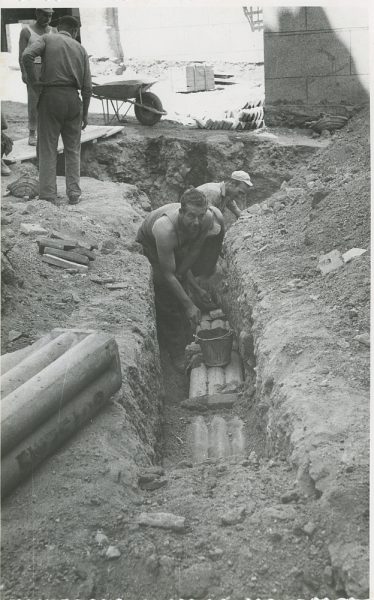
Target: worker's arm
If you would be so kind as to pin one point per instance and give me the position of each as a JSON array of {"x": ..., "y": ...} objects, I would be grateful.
[
  {"x": 24, "y": 37},
  {"x": 231, "y": 205},
  {"x": 86, "y": 90},
  {"x": 29, "y": 54},
  {"x": 164, "y": 237}
]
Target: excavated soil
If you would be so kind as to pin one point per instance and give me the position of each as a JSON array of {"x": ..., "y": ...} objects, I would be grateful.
[{"x": 294, "y": 530}]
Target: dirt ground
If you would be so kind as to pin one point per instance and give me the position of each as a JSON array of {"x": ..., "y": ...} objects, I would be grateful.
[{"x": 282, "y": 539}]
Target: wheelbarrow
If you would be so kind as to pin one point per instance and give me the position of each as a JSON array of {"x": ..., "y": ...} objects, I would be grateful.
[{"x": 134, "y": 92}]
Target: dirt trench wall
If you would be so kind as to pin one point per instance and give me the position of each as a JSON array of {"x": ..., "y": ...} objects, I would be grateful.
[
  {"x": 164, "y": 166},
  {"x": 90, "y": 481},
  {"x": 309, "y": 414}
]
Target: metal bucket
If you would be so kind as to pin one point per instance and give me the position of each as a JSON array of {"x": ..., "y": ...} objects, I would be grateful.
[{"x": 216, "y": 346}]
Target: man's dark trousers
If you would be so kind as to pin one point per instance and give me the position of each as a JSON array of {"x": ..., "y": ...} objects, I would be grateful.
[{"x": 59, "y": 112}]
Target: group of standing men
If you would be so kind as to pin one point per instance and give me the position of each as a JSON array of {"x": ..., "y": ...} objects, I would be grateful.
[
  {"x": 182, "y": 241},
  {"x": 55, "y": 67}
]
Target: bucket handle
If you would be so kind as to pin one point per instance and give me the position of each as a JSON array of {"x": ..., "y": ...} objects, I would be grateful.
[{"x": 221, "y": 337}]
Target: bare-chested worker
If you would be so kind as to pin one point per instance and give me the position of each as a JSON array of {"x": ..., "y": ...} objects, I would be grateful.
[
  {"x": 181, "y": 241},
  {"x": 28, "y": 35},
  {"x": 226, "y": 193}
]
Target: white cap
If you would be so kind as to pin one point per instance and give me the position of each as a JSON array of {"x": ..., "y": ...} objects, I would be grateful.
[{"x": 242, "y": 176}]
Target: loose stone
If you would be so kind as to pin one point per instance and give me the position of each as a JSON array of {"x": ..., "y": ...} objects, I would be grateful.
[
  {"x": 233, "y": 517},
  {"x": 112, "y": 552},
  {"x": 162, "y": 520}
]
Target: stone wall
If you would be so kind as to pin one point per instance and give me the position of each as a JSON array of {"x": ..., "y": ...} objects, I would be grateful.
[{"x": 315, "y": 57}]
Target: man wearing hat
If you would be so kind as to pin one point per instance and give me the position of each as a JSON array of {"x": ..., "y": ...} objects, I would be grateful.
[
  {"x": 226, "y": 193},
  {"x": 181, "y": 241},
  {"x": 28, "y": 35},
  {"x": 65, "y": 72}
]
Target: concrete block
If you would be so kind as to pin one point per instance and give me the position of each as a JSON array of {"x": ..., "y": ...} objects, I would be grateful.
[
  {"x": 67, "y": 255},
  {"x": 22, "y": 460},
  {"x": 64, "y": 264},
  {"x": 30, "y": 405},
  {"x": 32, "y": 228},
  {"x": 347, "y": 89},
  {"x": 290, "y": 90},
  {"x": 306, "y": 54}
]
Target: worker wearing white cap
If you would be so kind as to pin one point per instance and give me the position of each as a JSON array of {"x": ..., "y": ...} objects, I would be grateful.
[
  {"x": 29, "y": 34},
  {"x": 226, "y": 193}
]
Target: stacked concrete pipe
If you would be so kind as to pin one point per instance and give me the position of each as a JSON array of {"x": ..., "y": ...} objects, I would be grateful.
[
  {"x": 49, "y": 391},
  {"x": 216, "y": 389}
]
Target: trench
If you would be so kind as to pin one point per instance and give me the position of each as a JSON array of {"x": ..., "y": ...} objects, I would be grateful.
[{"x": 251, "y": 515}]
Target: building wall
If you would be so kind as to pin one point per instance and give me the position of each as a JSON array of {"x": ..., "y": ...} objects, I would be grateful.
[
  {"x": 194, "y": 32},
  {"x": 316, "y": 55}
]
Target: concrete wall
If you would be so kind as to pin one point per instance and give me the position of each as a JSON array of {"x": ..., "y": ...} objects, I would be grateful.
[
  {"x": 191, "y": 32},
  {"x": 316, "y": 55}
]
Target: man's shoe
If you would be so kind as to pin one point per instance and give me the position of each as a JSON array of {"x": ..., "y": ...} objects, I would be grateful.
[
  {"x": 74, "y": 199},
  {"x": 4, "y": 169},
  {"x": 32, "y": 139}
]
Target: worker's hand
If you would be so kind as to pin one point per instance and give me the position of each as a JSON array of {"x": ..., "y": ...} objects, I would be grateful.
[
  {"x": 194, "y": 316},
  {"x": 84, "y": 122},
  {"x": 24, "y": 78},
  {"x": 204, "y": 296}
]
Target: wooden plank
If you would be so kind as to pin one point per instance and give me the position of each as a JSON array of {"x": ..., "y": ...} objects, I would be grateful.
[
  {"x": 64, "y": 264},
  {"x": 22, "y": 151},
  {"x": 67, "y": 255},
  {"x": 51, "y": 243}
]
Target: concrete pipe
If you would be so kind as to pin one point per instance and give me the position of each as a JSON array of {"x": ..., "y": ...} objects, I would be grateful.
[
  {"x": 199, "y": 440},
  {"x": 237, "y": 441},
  {"x": 12, "y": 359},
  {"x": 24, "y": 458},
  {"x": 233, "y": 371},
  {"x": 219, "y": 445},
  {"x": 38, "y": 399},
  {"x": 216, "y": 379},
  {"x": 36, "y": 362},
  {"x": 198, "y": 382}
]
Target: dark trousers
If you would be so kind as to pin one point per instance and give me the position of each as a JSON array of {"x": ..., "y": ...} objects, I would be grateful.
[{"x": 59, "y": 113}]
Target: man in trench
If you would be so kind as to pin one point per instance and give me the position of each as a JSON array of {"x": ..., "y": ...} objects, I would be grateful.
[
  {"x": 182, "y": 241},
  {"x": 226, "y": 193}
]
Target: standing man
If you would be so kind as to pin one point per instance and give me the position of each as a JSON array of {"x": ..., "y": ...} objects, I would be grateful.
[
  {"x": 226, "y": 193},
  {"x": 181, "y": 241},
  {"x": 28, "y": 35},
  {"x": 65, "y": 70}
]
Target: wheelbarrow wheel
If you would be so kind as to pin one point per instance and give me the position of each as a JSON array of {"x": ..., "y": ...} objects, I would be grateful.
[{"x": 144, "y": 116}]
